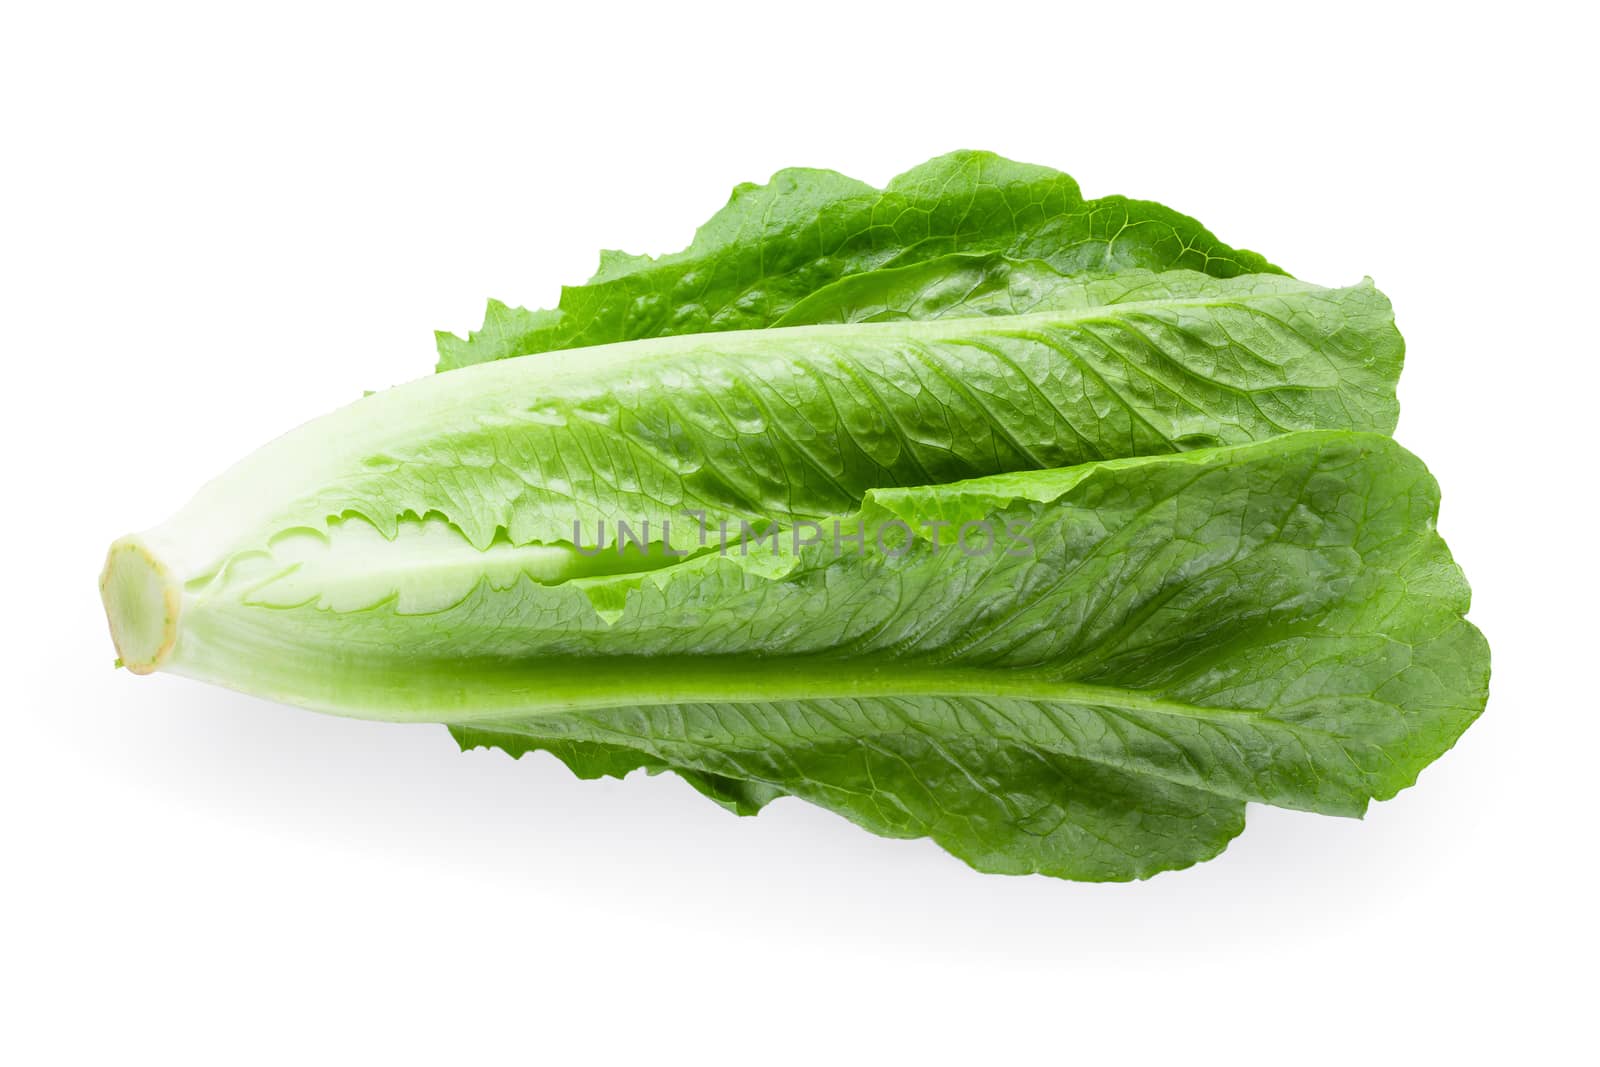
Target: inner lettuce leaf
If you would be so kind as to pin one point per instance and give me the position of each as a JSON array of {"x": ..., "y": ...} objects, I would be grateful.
[{"x": 774, "y": 245}]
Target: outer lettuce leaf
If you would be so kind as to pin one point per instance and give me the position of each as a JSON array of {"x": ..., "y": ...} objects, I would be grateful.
[
  {"x": 776, "y": 244},
  {"x": 1276, "y": 622}
]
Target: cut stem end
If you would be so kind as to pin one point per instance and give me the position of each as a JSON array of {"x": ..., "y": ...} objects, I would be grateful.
[{"x": 142, "y": 602}]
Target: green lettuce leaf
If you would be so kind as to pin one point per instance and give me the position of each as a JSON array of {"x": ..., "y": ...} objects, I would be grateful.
[
  {"x": 1142, "y": 646},
  {"x": 801, "y": 422},
  {"x": 776, "y": 244}
]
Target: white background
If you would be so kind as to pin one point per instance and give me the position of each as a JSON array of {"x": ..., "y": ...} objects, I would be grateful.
[{"x": 219, "y": 222}]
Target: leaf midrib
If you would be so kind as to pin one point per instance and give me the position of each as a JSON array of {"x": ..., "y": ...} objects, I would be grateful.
[{"x": 590, "y": 683}]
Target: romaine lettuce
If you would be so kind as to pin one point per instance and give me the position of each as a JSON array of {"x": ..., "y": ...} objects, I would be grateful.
[{"x": 966, "y": 509}]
